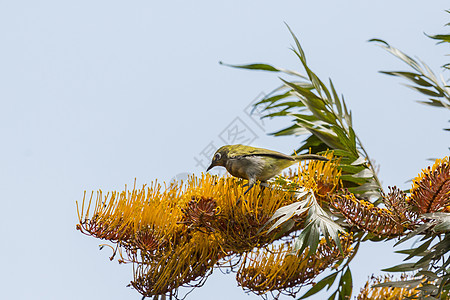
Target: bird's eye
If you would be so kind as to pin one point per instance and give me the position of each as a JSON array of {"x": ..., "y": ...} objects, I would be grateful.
[{"x": 217, "y": 156}]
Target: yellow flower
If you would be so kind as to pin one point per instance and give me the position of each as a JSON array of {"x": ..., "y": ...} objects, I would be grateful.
[
  {"x": 322, "y": 177},
  {"x": 386, "y": 293},
  {"x": 278, "y": 269},
  {"x": 431, "y": 188}
]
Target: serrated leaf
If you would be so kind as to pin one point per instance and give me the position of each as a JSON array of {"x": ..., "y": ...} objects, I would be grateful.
[
  {"x": 317, "y": 222},
  {"x": 288, "y": 211}
]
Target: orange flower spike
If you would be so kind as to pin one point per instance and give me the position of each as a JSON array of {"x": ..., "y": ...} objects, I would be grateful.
[
  {"x": 431, "y": 188},
  {"x": 322, "y": 177}
]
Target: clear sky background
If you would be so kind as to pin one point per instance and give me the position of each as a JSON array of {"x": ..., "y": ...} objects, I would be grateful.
[{"x": 97, "y": 93}]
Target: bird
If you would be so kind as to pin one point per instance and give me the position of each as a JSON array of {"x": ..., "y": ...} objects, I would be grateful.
[{"x": 254, "y": 163}]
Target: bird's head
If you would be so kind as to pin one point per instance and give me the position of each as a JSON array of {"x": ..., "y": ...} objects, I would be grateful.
[{"x": 220, "y": 157}]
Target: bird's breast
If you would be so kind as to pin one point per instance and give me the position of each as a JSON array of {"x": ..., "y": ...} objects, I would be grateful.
[{"x": 245, "y": 167}]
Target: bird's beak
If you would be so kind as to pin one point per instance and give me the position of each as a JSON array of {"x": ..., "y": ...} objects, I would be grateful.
[{"x": 210, "y": 167}]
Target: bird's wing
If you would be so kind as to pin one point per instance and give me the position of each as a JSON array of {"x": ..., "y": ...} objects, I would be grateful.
[{"x": 242, "y": 151}]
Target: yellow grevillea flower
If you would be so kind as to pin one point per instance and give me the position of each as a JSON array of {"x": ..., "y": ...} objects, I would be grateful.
[
  {"x": 431, "y": 188},
  {"x": 378, "y": 221},
  {"x": 189, "y": 262},
  {"x": 322, "y": 177},
  {"x": 386, "y": 293},
  {"x": 175, "y": 234},
  {"x": 139, "y": 214},
  {"x": 278, "y": 269}
]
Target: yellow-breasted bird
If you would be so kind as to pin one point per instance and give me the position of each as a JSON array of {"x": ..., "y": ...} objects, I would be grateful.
[{"x": 254, "y": 164}]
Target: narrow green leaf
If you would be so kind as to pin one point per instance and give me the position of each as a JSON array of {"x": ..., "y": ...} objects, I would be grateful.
[
  {"x": 420, "y": 251},
  {"x": 406, "y": 267},
  {"x": 329, "y": 280},
  {"x": 417, "y": 231},
  {"x": 293, "y": 130},
  {"x": 256, "y": 66},
  {"x": 347, "y": 284},
  {"x": 336, "y": 100},
  {"x": 425, "y": 91},
  {"x": 351, "y": 169},
  {"x": 401, "y": 284},
  {"x": 274, "y": 98},
  {"x": 444, "y": 38},
  {"x": 359, "y": 181},
  {"x": 366, "y": 173},
  {"x": 433, "y": 102},
  {"x": 359, "y": 161},
  {"x": 414, "y": 77},
  {"x": 399, "y": 54}
]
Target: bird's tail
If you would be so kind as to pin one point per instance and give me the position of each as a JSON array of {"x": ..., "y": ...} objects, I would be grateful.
[{"x": 310, "y": 156}]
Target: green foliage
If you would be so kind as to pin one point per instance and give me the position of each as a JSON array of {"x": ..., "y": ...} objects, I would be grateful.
[
  {"x": 431, "y": 268},
  {"x": 422, "y": 78},
  {"x": 322, "y": 117},
  {"x": 318, "y": 112}
]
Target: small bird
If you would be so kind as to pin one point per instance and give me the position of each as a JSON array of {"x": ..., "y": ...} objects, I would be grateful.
[{"x": 254, "y": 164}]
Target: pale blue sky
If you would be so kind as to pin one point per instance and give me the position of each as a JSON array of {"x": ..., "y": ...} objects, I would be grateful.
[{"x": 97, "y": 93}]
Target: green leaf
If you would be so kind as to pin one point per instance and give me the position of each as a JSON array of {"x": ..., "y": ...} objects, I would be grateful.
[
  {"x": 336, "y": 100},
  {"x": 257, "y": 66},
  {"x": 263, "y": 67},
  {"x": 293, "y": 130},
  {"x": 427, "y": 92},
  {"x": 328, "y": 137},
  {"x": 433, "y": 102},
  {"x": 444, "y": 38},
  {"x": 317, "y": 222},
  {"x": 347, "y": 284},
  {"x": 344, "y": 153},
  {"x": 312, "y": 99},
  {"x": 329, "y": 280},
  {"x": 288, "y": 211},
  {"x": 414, "y": 77},
  {"x": 274, "y": 98},
  {"x": 429, "y": 274},
  {"x": 351, "y": 169},
  {"x": 358, "y": 181},
  {"x": 441, "y": 219},
  {"x": 398, "y": 54},
  {"x": 366, "y": 173},
  {"x": 420, "y": 250},
  {"x": 359, "y": 161},
  {"x": 313, "y": 144},
  {"x": 415, "y": 232},
  {"x": 400, "y": 284},
  {"x": 333, "y": 295},
  {"x": 406, "y": 267}
]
